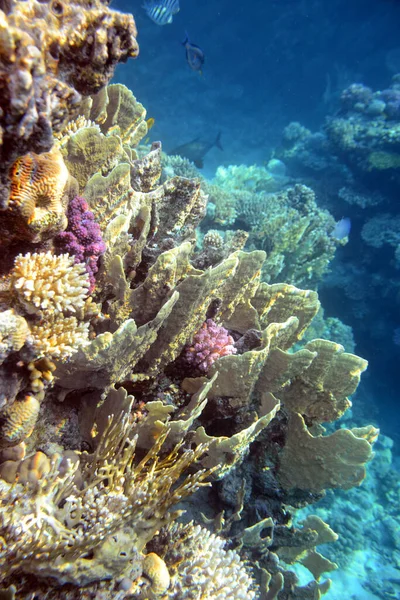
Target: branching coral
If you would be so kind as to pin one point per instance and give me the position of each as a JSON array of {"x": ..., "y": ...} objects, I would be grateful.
[
  {"x": 47, "y": 529},
  {"x": 289, "y": 226},
  {"x": 44, "y": 282},
  {"x": 209, "y": 343},
  {"x": 197, "y": 559},
  {"x": 82, "y": 239}
]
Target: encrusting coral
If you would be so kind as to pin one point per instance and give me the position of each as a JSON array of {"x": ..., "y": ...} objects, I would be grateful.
[{"x": 104, "y": 422}]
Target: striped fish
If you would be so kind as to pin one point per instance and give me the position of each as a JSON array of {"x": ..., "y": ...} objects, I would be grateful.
[{"x": 161, "y": 11}]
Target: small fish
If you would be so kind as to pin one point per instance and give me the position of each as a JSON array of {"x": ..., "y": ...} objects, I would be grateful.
[
  {"x": 342, "y": 229},
  {"x": 150, "y": 122},
  {"x": 194, "y": 55},
  {"x": 161, "y": 12},
  {"x": 196, "y": 150}
]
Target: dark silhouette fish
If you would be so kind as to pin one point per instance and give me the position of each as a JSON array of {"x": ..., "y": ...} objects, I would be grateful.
[
  {"x": 196, "y": 150},
  {"x": 194, "y": 55}
]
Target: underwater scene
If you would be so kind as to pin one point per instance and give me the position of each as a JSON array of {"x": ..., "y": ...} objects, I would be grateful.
[{"x": 199, "y": 300}]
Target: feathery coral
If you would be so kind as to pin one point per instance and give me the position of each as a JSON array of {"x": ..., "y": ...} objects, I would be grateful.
[
  {"x": 50, "y": 538},
  {"x": 51, "y": 283}
]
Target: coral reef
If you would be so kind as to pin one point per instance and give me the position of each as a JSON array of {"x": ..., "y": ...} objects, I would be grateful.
[
  {"x": 383, "y": 229},
  {"x": 289, "y": 225},
  {"x": 365, "y": 135},
  {"x": 120, "y": 397}
]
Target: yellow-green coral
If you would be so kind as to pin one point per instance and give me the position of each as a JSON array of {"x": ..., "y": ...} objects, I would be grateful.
[{"x": 119, "y": 496}]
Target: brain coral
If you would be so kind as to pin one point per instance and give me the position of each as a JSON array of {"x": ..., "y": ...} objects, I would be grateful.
[{"x": 36, "y": 208}]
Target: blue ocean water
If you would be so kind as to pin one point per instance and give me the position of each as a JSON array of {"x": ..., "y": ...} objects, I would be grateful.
[{"x": 268, "y": 64}]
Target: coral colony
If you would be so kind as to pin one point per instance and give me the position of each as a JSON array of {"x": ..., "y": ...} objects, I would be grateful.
[
  {"x": 82, "y": 238},
  {"x": 139, "y": 366}
]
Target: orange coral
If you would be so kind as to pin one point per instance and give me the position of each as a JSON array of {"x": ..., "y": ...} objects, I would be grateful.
[{"x": 36, "y": 195}]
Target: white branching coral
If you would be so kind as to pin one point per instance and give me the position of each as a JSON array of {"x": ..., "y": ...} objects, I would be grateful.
[
  {"x": 59, "y": 337},
  {"x": 200, "y": 567},
  {"x": 44, "y": 282},
  {"x": 48, "y": 529}
]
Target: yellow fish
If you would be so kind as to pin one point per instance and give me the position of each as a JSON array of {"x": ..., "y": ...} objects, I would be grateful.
[{"x": 150, "y": 122}]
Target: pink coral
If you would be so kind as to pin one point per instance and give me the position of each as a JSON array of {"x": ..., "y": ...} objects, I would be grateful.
[
  {"x": 82, "y": 239},
  {"x": 210, "y": 343}
]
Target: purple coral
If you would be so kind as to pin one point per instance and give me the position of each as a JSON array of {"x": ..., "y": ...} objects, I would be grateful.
[
  {"x": 210, "y": 343},
  {"x": 82, "y": 238}
]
